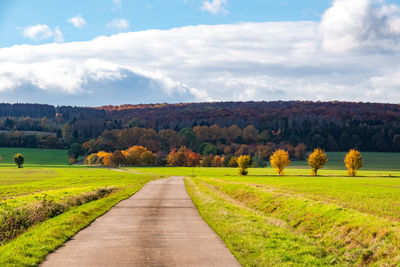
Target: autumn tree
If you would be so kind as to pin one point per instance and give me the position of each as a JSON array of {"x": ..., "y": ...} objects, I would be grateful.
[
  {"x": 192, "y": 158},
  {"x": 280, "y": 160},
  {"x": 233, "y": 162},
  {"x": 183, "y": 157},
  {"x": 317, "y": 160},
  {"x": 353, "y": 162},
  {"x": 148, "y": 158},
  {"x": 117, "y": 158},
  {"x": 133, "y": 155},
  {"x": 243, "y": 163},
  {"x": 19, "y": 160},
  {"x": 92, "y": 159}
]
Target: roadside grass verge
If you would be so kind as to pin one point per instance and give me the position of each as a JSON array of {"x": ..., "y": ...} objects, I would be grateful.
[
  {"x": 344, "y": 236},
  {"x": 41, "y": 208},
  {"x": 254, "y": 239},
  {"x": 14, "y": 221},
  {"x": 31, "y": 248}
]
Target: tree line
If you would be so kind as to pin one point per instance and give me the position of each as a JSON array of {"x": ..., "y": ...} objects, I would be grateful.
[{"x": 332, "y": 126}]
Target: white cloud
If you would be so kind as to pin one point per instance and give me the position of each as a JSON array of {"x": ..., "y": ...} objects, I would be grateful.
[
  {"x": 37, "y": 32},
  {"x": 247, "y": 61},
  {"x": 41, "y": 32},
  {"x": 360, "y": 24},
  {"x": 215, "y": 6},
  {"x": 119, "y": 24},
  {"x": 78, "y": 21}
]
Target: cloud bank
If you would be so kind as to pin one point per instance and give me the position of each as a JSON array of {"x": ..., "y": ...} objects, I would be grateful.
[{"x": 352, "y": 54}]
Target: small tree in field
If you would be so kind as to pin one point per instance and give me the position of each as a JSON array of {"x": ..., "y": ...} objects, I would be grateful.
[
  {"x": 280, "y": 160},
  {"x": 19, "y": 160},
  {"x": 317, "y": 160},
  {"x": 353, "y": 162},
  {"x": 243, "y": 163}
]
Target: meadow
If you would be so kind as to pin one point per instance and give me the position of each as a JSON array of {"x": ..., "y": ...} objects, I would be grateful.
[
  {"x": 298, "y": 219},
  {"x": 42, "y": 206},
  {"x": 34, "y": 156},
  {"x": 264, "y": 219}
]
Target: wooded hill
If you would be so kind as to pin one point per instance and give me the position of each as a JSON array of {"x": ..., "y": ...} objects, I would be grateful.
[{"x": 330, "y": 125}]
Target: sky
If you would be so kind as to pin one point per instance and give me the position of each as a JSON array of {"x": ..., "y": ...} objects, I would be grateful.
[{"x": 101, "y": 52}]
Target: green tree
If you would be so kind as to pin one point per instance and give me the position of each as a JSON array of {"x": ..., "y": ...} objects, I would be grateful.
[
  {"x": 76, "y": 150},
  {"x": 19, "y": 160}
]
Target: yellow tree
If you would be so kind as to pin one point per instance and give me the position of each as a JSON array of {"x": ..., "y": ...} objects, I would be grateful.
[
  {"x": 317, "y": 160},
  {"x": 243, "y": 163},
  {"x": 280, "y": 160},
  {"x": 353, "y": 162}
]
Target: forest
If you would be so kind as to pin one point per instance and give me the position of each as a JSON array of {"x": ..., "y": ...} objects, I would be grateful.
[{"x": 216, "y": 127}]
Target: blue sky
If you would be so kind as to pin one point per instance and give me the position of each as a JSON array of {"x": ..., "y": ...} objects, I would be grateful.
[
  {"x": 142, "y": 15},
  {"x": 100, "y": 52}
]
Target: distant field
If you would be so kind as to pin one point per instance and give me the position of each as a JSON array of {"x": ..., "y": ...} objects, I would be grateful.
[
  {"x": 297, "y": 219},
  {"x": 41, "y": 208},
  {"x": 34, "y": 156},
  {"x": 372, "y": 161}
]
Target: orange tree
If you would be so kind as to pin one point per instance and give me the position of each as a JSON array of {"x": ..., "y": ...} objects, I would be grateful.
[
  {"x": 280, "y": 160},
  {"x": 353, "y": 162},
  {"x": 317, "y": 160}
]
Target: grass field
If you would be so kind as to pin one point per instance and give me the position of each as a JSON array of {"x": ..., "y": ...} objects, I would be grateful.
[
  {"x": 41, "y": 208},
  {"x": 265, "y": 219},
  {"x": 33, "y": 156},
  {"x": 377, "y": 161},
  {"x": 297, "y": 219}
]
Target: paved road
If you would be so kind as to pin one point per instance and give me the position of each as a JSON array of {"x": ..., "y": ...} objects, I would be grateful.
[{"x": 158, "y": 226}]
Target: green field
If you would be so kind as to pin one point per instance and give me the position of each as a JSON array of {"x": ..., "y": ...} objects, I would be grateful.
[
  {"x": 297, "y": 219},
  {"x": 263, "y": 218},
  {"x": 377, "y": 161},
  {"x": 33, "y": 156},
  {"x": 41, "y": 208}
]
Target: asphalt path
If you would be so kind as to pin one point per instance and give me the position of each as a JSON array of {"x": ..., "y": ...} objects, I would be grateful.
[{"x": 158, "y": 226}]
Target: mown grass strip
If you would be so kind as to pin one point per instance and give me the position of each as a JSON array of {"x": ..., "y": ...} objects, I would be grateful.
[
  {"x": 31, "y": 248},
  {"x": 351, "y": 237},
  {"x": 255, "y": 239}
]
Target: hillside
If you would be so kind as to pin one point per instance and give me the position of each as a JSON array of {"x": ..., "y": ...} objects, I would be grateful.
[{"x": 335, "y": 126}]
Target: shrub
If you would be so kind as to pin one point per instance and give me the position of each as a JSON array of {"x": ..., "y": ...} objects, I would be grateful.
[
  {"x": 243, "y": 163},
  {"x": 72, "y": 160},
  {"x": 19, "y": 160},
  {"x": 280, "y": 160},
  {"x": 353, "y": 162},
  {"x": 317, "y": 160},
  {"x": 92, "y": 159}
]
